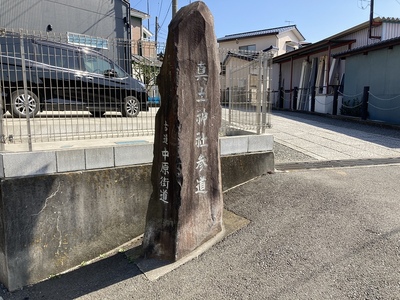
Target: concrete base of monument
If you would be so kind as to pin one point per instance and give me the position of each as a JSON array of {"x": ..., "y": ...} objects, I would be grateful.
[
  {"x": 70, "y": 189},
  {"x": 154, "y": 269}
]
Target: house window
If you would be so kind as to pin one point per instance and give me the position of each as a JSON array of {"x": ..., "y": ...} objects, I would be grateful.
[
  {"x": 247, "y": 49},
  {"x": 87, "y": 41},
  {"x": 290, "y": 48}
]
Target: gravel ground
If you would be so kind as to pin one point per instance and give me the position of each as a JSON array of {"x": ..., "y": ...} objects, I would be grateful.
[{"x": 284, "y": 154}]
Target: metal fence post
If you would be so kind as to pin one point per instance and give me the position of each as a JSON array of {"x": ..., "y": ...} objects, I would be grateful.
[
  {"x": 26, "y": 102},
  {"x": 281, "y": 97},
  {"x": 335, "y": 100},
  {"x": 295, "y": 96},
  {"x": 2, "y": 135},
  {"x": 265, "y": 88},
  {"x": 364, "y": 106},
  {"x": 259, "y": 94},
  {"x": 313, "y": 93},
  {"x": 267, "y": 92},
  {"x": 230, "y": 98}
]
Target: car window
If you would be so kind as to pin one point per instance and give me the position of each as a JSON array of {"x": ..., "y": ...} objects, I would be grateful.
[
  {"x": 96, "y": 64},
  {"x": 121, "y": 73},
  {"x": 10, "y": 45},
  {"x": 58, "y": 57}
]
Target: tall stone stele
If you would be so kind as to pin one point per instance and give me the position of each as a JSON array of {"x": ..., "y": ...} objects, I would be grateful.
[{"x": 185, "y": 209}]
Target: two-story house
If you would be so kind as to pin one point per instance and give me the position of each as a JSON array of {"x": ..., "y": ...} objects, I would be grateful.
[
  {"x": 140, "y": 35},
  {"x": 244, "y": 58}
]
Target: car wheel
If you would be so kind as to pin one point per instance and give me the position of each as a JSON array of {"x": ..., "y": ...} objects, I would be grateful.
[
  {"x": 130, "y": 107},
  {"x": 19, "y": 107}
]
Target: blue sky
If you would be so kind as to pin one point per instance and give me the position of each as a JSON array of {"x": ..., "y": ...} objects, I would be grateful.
[{"x": 316, "y": 19}]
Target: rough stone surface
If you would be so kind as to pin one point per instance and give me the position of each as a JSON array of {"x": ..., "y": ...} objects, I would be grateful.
[{"x": 185, "y": 208}]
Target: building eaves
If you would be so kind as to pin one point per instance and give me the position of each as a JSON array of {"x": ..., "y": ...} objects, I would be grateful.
[
  {"x": 263, "y": 32},
  {"x": 312, "y": 49},
  {"x": 365, "y": 49},
  {"x": 361, "y": 26},
  {"x": 245, "y": 57},
  {"x": 139, "y": 14},
  {"x": 334, "y": 41},
  {"x": 147, "y": 32}
]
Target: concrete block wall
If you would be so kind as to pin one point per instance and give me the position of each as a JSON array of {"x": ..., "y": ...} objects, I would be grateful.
[
  {"x": 61, "y": 207},
  {"x": 20, "y": 164}
]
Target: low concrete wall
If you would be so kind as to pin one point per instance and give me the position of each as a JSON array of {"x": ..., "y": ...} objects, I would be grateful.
[{"x": 60, "y": 208}]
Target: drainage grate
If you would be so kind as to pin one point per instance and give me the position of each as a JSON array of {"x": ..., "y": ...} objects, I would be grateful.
[{"x": 336, "y": 163}]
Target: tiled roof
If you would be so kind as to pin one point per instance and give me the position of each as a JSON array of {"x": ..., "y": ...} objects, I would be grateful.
[
  {"x": 389, "y": 20},
  {"x": 270, "y": 31}
]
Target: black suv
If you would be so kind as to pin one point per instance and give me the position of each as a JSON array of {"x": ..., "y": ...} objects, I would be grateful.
[{"x": 64, "y": 77}]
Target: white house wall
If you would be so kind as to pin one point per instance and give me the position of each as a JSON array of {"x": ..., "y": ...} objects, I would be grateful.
[
  {"x": 283, "y": 38},
  {"x": 261, "y": 42}
]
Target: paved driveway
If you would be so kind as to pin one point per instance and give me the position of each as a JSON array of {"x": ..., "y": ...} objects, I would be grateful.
[{"x": 324, "y": 138}]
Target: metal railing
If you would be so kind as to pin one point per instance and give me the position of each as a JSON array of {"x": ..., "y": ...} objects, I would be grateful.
[
  {"x": 246, "y": 90},
  {"x": 61, "y": 88}
]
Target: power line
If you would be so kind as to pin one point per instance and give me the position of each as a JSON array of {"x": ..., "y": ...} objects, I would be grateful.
[
  {"x": 360, "y": 4},
  {"x": 160, "y": 7},
  {"x": 162, "y": 24}
]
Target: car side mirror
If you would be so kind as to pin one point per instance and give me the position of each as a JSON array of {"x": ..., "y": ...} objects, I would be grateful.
[{"x": 110, "y": 73}]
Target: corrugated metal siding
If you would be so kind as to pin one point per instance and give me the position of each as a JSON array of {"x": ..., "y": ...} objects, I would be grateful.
[
  {"x": 362, "y": 37},
  {"x": 379, "y": 71},
  {"x": 20, "y": 14},
  {"x": 390, "y": 30},
  {"x": 91, "y": 17}
]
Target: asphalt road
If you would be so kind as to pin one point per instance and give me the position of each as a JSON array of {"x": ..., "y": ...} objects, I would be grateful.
[{"x": 325, "y": 233}]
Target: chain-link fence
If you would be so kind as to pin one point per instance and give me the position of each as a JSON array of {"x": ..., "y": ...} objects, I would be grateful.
[{"x": 70, "y": 87}]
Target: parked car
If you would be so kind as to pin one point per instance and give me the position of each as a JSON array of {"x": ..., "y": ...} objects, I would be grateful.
[{"x": 64, "y": 77}]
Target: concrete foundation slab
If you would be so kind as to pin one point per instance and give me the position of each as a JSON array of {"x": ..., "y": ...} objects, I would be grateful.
[{"x": 154, "y": 269}]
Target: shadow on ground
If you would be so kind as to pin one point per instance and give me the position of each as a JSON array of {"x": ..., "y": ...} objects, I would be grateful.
[{"x": 80, "y": 282}]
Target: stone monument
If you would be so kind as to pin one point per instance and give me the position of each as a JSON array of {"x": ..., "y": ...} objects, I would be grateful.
[{"x": 185, "y": 209}]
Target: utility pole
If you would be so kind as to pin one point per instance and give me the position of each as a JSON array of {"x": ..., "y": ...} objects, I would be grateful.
[
  {"x": 148, "y": 12},
  {"x": 156, "y": 32},
  {"x": 174, "y": 7}
]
